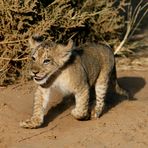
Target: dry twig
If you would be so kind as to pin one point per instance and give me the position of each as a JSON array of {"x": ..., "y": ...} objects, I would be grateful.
[
  {"x": 132, "y": 23},
  {"x": 40, "y": 133}
]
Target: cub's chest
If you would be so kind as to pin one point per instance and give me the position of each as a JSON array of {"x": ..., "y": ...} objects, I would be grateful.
[{"x": 62, "y": 83}]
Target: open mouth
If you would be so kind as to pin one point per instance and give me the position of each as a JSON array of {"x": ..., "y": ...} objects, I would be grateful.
[
  {"x": 38, "y": 78},
  {"x": 41, "y": 77},
  {"x": 46, "y": 76}
]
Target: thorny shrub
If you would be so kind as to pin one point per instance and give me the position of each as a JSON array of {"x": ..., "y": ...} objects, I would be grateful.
[{"x": 57, "y": 20}]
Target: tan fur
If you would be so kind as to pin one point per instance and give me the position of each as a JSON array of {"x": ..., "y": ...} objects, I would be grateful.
[{"x": 72, "y": 70}]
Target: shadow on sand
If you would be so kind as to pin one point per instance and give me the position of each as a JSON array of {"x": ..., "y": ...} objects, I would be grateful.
[{"x": 131, "y": 84}]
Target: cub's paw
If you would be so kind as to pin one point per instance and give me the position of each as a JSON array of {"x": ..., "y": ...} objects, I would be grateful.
[
  {"x": 31, "y": 123},
  {"x": 97, "y": 113},
  {"x": 80, "y": 115}
]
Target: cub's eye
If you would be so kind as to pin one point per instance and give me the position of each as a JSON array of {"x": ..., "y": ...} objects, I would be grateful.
[
  {"x": 47, "y": 61},
  {"x": 33, "y": 58}
]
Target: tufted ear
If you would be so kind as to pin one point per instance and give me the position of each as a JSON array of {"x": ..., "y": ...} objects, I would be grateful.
[
  {"x": 65, "y": 49},
  {"x": 69, "y": 46},
  {"x": 64, "y": 52},
  {"x": 34, "y": 41}
]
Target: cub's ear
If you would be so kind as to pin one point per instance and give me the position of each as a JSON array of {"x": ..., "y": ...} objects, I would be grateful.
[
  {"x": 69, "y": 46},
  {"x": 64, "y": 52},
  {"x": 66, "y": 48},
  {"x": 35, "y": 41}
]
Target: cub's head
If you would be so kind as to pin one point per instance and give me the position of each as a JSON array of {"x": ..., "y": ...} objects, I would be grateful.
[{"x": 47, "y": 58}]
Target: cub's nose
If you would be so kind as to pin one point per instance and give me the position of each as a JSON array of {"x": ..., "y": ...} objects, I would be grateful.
[
  {"x": 35, "y": 72},
  {"x": 35, "y": 69}
]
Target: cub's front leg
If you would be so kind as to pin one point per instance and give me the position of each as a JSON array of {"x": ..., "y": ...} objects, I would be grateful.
[
  {"x": 80, "y": 111},
  {"x": 40, "y": 102}
]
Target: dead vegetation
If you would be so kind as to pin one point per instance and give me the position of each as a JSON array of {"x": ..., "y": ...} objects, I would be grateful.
[{"x": 58, "y": 20}]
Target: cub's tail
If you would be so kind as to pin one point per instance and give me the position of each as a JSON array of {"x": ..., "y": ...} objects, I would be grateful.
[{"x": 114, "y": 85}]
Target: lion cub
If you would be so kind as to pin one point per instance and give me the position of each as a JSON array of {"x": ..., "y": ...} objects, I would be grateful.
[{"x": 73, "y": 70}]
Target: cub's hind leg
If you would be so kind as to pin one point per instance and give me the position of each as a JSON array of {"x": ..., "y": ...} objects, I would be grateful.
[
  {"x": 40, "y": 103},
  {"x": 100, "y": 89}
]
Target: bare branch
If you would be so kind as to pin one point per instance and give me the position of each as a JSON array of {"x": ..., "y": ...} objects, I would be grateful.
[{"x": 131, "y": 25}]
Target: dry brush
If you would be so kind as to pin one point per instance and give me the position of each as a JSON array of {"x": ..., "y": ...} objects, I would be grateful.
[{"x": 57, "y": 20}]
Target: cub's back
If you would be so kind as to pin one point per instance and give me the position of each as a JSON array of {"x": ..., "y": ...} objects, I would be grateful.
[
  {"x": 96, "y": 57},
  {"x": 99, "y": 53}
]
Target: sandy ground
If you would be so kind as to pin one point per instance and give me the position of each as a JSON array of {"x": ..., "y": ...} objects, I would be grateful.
[{"x": 124, "y": 125}]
